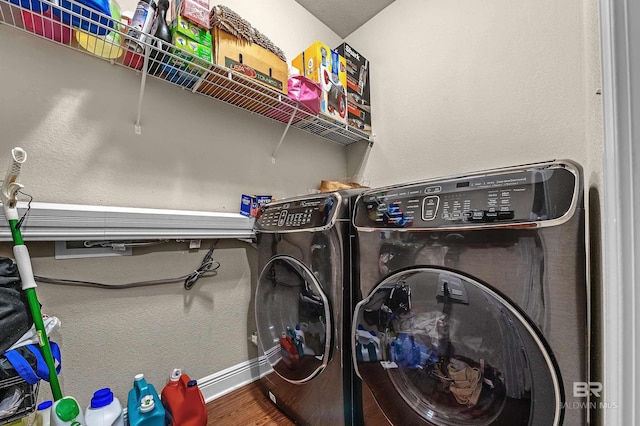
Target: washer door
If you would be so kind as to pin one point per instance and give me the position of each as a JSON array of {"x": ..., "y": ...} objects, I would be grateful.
[
  {"x": 293, "y": 319},
  {"x": 439, "y": 347}
]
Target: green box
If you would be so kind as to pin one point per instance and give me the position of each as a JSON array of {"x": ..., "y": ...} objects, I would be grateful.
[
  {"x": 191, "y": 30},
  {"x": 194, "y": 52}
]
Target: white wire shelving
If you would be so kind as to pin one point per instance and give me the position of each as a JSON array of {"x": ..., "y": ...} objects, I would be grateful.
[{"x": 61, "y": 22}]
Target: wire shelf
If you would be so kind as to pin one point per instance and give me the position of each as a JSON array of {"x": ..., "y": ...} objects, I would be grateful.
[{"x": 73, "y": 25}]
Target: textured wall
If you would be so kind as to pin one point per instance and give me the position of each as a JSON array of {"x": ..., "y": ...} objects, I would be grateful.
[
  {"x": 465, "y": 85},
  {"x": 109, "y": 336}
]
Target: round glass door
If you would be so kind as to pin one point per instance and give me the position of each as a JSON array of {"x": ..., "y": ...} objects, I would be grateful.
[
  {"x": 293, "y": 319},
  {"x": 442, "y": 348}
]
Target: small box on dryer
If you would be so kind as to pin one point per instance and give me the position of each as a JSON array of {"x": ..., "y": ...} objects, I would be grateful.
[
  {"x": 326, "y": 66},
  {"x": 251, "y": 204}
]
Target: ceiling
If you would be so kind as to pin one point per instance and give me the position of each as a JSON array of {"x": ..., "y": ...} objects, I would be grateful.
[{"x": 342, "y": 16}]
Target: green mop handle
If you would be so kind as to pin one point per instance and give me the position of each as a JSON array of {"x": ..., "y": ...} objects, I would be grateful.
[{"x": 10, "y": 188}]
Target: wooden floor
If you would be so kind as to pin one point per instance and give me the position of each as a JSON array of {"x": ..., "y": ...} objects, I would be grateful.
[
  {"x": 244, "y": 407},
  {"x": 248, "y": 406}
]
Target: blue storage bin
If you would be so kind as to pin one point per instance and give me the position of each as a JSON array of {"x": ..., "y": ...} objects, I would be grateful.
[
  {"x": 34, "y": 5},
  {"x": 86, "y": 8}
]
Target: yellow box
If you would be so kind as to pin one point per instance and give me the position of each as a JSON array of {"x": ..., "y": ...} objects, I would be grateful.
[{"x": 324, "y": 65}]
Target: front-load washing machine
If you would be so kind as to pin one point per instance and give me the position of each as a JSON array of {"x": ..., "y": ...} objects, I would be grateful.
[
  {"x": 473, "y": 298},
  {"x": 302, "y": 295}
]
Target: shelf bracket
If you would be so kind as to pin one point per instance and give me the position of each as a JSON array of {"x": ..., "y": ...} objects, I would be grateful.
[
  {"x": 357, "y": 158},
  {"x": 286, "y": 129},
  {"x": 137, "y": 127}
]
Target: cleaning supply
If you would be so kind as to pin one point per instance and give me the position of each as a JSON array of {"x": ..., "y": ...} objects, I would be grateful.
[
  {"x": 43, "y": 414},
  {"x": 183, "y": 398},
  {"x": 66, "y": 412},
  {"x": 144, "y": 407},
  {"x": 162, "y": 32},
  {"x": 140, "y": 25},
  {"x": 104, "y": 410}
]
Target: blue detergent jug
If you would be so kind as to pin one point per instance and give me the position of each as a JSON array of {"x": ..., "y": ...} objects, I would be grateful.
[{"x": 144, "y": 407}]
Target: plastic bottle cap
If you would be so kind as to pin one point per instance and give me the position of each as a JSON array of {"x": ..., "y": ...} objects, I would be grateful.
[
  {"x": 44, "y": 405},
  {"x": 139, "y": 377},
  {"x": 102, "y": 398},
  {"x": 67, "y": 409},
  {"x": 192, "y": 383},
  {"x": 175, "y": 375},
  {"x": 147, "y": 403}
]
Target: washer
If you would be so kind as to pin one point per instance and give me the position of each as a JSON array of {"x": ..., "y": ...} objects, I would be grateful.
[
  {"x": 303, "y": 291},
  {"x": 473, "y": 299}
]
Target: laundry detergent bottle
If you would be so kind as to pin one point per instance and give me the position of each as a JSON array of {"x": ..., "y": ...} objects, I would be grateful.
[
  {"x": 43, "y": 414},
  {"x": 183, "y": 398},
  {"x": 104, "y": 410},
  {"x": 144, "y": 407},
  {"x": 66, "y": 412}
]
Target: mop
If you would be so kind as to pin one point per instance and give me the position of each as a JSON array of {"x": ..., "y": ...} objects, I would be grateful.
[{"x": 10, "y": 188}]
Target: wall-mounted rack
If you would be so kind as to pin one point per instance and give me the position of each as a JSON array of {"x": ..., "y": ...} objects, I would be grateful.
[
  {"x": 75, "y": 222},
  {"x": 172, "y": 65}
]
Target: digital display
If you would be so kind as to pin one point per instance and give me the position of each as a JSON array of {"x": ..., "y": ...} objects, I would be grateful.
[
  {"x": 297, "y": 214},
  {"x": 502, "y": 198}
]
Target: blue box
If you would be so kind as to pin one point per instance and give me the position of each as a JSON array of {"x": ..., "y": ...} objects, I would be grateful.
[{"x": 250, "y": 204}]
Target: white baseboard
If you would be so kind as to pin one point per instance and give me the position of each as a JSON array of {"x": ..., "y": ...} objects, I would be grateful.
[{"x": 232, "y": 378}]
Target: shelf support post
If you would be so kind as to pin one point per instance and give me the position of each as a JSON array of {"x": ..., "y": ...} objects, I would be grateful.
[
  {"x": 286, "y": 129},
  {"x": 147, "y": 51}
]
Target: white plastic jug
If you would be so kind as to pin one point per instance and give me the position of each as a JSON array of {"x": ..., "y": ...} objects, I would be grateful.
[
  {"x": 104, "y": 410},
  {"x": 43, "y": 414},
  {"x": 66, "y": 412}
]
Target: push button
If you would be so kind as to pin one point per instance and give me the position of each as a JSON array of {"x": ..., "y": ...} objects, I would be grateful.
[
  {"x": 477, "y": 215},
  {"x": 430, "y": 207},
  {"x": 506, "y": 215},
  {"x": 490, "y": 215}
]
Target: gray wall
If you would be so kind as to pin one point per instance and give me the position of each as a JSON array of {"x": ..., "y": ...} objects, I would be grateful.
[
  {"x": 466, "y": 85},
  {"x": 456, "y": 86}
]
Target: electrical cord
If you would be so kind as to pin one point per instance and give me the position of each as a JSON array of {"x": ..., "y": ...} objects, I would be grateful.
[
  {"x": 208, "y": 267},
  {"x": 122, "y": 245}
]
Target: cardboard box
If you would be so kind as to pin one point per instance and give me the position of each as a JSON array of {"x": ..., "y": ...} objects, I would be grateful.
[
  {"x": 186, "y": 70},
  {"x": 247, "y": 59},
  {"x": 194, "y": 52},
  {"x": 251, "y": 204},
  {"x": 326, "y": 66},
  {"x": 196, "y": 11},
  {"x": 358, "y": 88},
  {"x": 185, "y": 27}
]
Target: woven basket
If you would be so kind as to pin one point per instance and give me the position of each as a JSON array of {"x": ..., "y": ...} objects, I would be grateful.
[{"x": 227, "y": 20}]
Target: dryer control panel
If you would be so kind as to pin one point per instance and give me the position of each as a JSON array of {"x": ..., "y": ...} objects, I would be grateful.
[
  {"x": 509, "y": 197},
  {"x": 298, "y": 214}
]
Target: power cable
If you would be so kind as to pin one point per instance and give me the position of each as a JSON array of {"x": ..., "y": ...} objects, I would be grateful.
[{"x": 208, "y": 267}]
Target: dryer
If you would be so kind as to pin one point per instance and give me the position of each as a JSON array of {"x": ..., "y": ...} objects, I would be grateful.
[
  {"x": 303, "y": 306},
  {"x": 473, "y": 298}
]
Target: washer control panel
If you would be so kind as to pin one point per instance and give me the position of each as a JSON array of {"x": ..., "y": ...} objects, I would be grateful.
[
  {"x": 308, "y": 213},
  {"x": 527, "y": 195}
]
